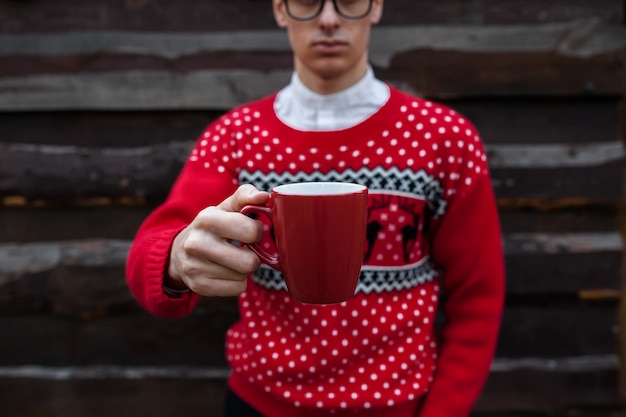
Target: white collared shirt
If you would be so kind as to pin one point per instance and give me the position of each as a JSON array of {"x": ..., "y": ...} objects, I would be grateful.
[{"x": 303, "y": 109}]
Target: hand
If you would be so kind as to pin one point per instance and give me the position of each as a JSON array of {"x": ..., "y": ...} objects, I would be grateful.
[{"x": 203, "y": 258}]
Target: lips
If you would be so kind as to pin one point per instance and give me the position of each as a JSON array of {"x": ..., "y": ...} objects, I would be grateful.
[{"x": 329, "y": 46}]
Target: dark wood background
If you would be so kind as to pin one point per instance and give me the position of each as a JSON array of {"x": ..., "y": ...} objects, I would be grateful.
[{"x": 100, "y": 101}]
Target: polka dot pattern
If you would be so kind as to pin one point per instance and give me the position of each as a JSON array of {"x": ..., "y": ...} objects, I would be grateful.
[
  {"x": 375, "y": 350},
  {"x": 425, "y": 135}
]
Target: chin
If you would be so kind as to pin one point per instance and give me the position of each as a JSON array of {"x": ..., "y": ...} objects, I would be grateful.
[{"x": 330, "y": 69}]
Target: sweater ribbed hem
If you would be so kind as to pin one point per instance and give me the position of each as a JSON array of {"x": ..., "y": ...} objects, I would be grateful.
[{"x": 270, "y": 406}]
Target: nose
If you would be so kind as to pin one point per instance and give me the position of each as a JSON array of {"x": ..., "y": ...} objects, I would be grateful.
[{"x": 329, "y": 16}]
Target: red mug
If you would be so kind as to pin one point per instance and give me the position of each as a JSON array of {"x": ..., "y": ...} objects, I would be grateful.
[{"x": 319, "y": 235}]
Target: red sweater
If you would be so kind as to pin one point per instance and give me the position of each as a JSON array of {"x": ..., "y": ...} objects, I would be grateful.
[{"x": 433, "y": 238}]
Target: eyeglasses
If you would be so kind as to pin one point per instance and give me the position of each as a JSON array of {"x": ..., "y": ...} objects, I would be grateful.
[{"x": 310, "y": 9}]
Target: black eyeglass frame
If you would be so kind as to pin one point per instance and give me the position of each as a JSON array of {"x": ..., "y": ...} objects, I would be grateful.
[{"x": 319, "y": 11}]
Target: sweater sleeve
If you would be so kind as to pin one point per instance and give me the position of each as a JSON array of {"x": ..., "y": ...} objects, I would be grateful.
[
  {"x": 199, "y": 185},
  {"x": 467, "y": 249}
]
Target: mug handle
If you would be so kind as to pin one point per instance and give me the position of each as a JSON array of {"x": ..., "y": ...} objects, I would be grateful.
[{"x": 271, "y": 260}]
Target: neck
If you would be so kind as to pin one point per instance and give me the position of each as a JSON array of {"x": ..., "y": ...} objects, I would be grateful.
[{"x": 329, "y": 82}]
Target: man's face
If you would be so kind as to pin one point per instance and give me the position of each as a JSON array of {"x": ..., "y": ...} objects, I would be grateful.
[{"x": 329, "y": 47}]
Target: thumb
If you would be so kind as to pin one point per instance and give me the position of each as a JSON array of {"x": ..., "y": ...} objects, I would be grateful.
[{"x": 245, "y": 195}]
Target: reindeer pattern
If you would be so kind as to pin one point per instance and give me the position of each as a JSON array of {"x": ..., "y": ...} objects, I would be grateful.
[
  {"x": 402, "y": 204},
  {"x": 395, "y": 228}
]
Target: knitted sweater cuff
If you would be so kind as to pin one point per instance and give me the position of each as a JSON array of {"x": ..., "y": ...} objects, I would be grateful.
[{"x": 159, "y": 301}]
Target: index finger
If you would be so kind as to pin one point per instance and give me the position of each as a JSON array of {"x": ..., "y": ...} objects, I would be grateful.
[{"x": 246, "y": 194}]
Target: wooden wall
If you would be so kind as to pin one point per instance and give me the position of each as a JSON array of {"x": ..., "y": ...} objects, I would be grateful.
[{"x": 100, "y": 101}]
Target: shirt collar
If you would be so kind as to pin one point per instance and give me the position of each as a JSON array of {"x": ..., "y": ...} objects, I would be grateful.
[
  {"x": 357, "y": 95},
  {"x": 304, "y": 109}
]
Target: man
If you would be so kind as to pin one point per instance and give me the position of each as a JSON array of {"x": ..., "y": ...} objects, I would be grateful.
[{"x": 432, "y": 228}]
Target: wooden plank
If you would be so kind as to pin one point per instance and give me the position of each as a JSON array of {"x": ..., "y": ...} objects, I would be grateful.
[
  {"x": 556, "y": 220},
  {"x": 430, "y": 74},
  {"x": 140, "y": 339},
  {"x": 219, "y": 15},
  {"x": 554, "y": 155},
  {"x": 65, "y": 173},
  {"x": 550, "y": 244},
  {"x": 539, "y": 388},
  {"x": 560, "y": 273},
  {"x": 272, "y": 58},
  {"x": 28, "y": 224},
  {"x": 555, "y": 59},
  {"x": 136, "y": 338},
  {"x": 86, "y": 278},
  {"x": 110, "y": 371},
  {"x": 542, "y": 263},
  {"x": 554, "y": 391},
  {"x": 82, "y": 291},
  {"x": 426, "y": 73},
  {"x": 514, "y": 121},
  {"x": 17, "y": 259},
  {"x": 107, "y": 397},
  {"x": 547, "y": 120},
  {"x": 203, "y": 372},
  {"x": 599, "y": 184},
  {"x": 105, "y": 128},
  {"x": 580, "y": 38},
  {"x": 622, "y": 309},
  {"x": 554, "y": 328},
  {"x": 108, "y": 172},
  {"x": 24, "y": 225},
  {"x": 139, "y": 90}
]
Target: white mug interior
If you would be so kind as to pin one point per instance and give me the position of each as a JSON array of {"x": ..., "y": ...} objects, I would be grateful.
[{"x": 319, "y": 188}]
